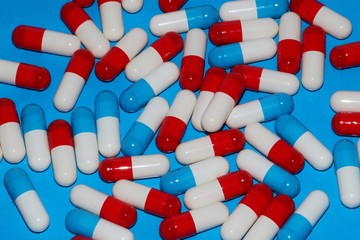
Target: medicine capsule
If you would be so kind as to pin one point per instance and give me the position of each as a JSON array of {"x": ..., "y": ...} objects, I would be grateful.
[
  {"x": 43, "y": 40},
  {"x": 34, "y": 128},
  {"x": 107, "y": 123},
  {"x": 171, "y": 5},
  {"x": 89, "y": 225},
  {"x": 116, "y": 59},
  {"x": 346, "y": 123},
  {"x": 263, "y": 170},
  {"x": 79, "y": 237},
  {"x": 160, "y": 51},
  {"x": 215, "y": 144},
  {"x": 143, "y": 130},
  {"x": 132, "y": 6},
  {"x": 11, "y": 139},
  {"x": 183, "y": 20},
  {"x": 303, "y": 220},
  {"x": 194, "y": 221},
  {"x": 26, "y": 199},
  {"x": 274, "y": 148},
  {"x": 223, "y": 188},
  {"x": 316, "y": 13},
  {"x": 345, "y": 55},
  {"x": 84, "y": 3},
  {"x": 264, "y": 109},
  {"x": 76, "y": 74},
  {"x": 227, "y": 32},
  {"x": 265, "y": 80},
  {"x": 149, "y": 86},
  {"x": 223, "y": 102},
  {"x": 289, "y": 46},
  {"x": 251, "y": 206},
  {"x": 297, "y": 135},
  {"x": 133, "y": 167},
  {"x": 174, "y": 125},
  {"x": 24, "y": 75},
  {"x": 85, "y": 140},
  {"x": 102, "y": 205},
  {"x": 80, "y": 24},
  {"x": 347, "y": 167},
  {"x": 345, "y": 101},
  {"x": 150, "y": 200},
  {"x": 193, "y": 63},
  {"x": 255, "y": 50},
  {"x": 111, "y": 19}
]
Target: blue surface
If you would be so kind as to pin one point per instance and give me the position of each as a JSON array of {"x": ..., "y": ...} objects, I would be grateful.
[{"x": 311, "y": 108}]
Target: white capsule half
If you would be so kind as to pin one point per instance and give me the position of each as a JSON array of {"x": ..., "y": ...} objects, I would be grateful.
[
  {"x": 12, "y": 142},
  {"x": 64, "y": 165},
  {"x": 312, "y": 74},
  {"x": 132, "y": 6},
  {"x": 112, "y": 20},
  {"x": 345, "y": 101}
]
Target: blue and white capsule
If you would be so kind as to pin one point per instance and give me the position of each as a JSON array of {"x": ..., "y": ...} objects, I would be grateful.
[
  {"x": 261, "y": 110},
  {"x": 139, "y": 136},
  {"x": 265, "y": 171},
  {"x": 107, "y": 123},
  {"x": 26, "y": 199},
  {"x": 184, "y": 20},
  {"x": 297, "y": 135},
  {"x": 35, "y": 135},
  {"x": 81, "y": 222},
  {"x": 85, "y": 140}
]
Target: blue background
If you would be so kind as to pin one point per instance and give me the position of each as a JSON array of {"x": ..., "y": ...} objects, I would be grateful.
[{"x": 311, "y": 108}]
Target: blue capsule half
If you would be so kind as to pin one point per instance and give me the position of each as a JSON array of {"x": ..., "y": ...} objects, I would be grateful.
[
  {"x": 106, "y": 105},
  {"x": 178, "y": 181},
  {"x": 271, "y": 8},
  {"x": 345, "y": 154},
  {"x": 226, "y": 56},
  {"x": 137, "y": 139},
  {"x": 33, "y": 118},
  {"x": 82, "y": 121},
  {"x": 202, "y": 16},
  {"x": 296, "y": 228},
  {"x": 81, "y": 222},
  {"x": 136, "y": 96},
  {"x": 289, "y": 128},
  {"x": 275, "y": 105}
]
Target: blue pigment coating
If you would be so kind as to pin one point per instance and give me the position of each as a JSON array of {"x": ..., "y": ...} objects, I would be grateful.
[
  {"x": 275, "y": 105},
  {"x": 201, "y": 17},
  {"x": 178, "y": 181},
  {"x": 106, "y": 105},
  {"x": 289, "y": 128},
  {"x": 33, "y": 118},
  {"x": 82, "y": 121},
  {"x": 17, "y": 182},
  {"x": 226, "y": 56},
  {"x": 81, "y": 222},
  {"x": 137, "y": 139}
]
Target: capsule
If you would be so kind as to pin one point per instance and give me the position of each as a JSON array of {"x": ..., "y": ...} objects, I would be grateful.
[
  {"x": 255, "y": 50},
  {"x": 193, "y": 63},
  {"x": 251, "y": 9},
  {"x": 80, "y": 24},
  {"x": 84, "y": 3},
  {"x": 347, "y": 167},
  {"x": 89, "y": 225},
  {"x": 297, "y": 135},
  {"x": 76, "y": 74},
  {"x": 132, "y": 6},
  {"x": 171, "y": 5},
  {"x": 160, "y": 51},
  {"x": 79, "y": 237},
  {"x": 274, "y": 148},
  {"x": 85, "y": 141},
  {"x": 272, "y": 219},
  {"x": 102, "y": 205},
  {"x": 111, "y": 19},
  {"x": 174, "y": 125},
  {"x": 215, "y": 144},
  {"x": 289, "y": 46},
  {"x": 303, "y": 220},
  {"x": 265, "y": 80},
  {"x": 194, "y": 221},
  {"x": 264, "y": 109},
  {"x": 223, "y": 188},
  {"x": 263, "y": 170},
  {"x": 24, "y": 75},
  {"x": 11, "y": 139},
  {"x": 150, "y": 200},
  {"x": 345, "y": 101},
  {"x": 107, "y": 123},
  {"x": 346, "y": 123},
  {"x": 34, "y": 128},
  {"x": 316, "y": 13},
  {"x": 151, "y": 85},
  {"x": 251, "y": 206},
  {"x": 26, "y": 199},
  {"x": 183, "y": 20},
  {"x": 227, "y": 32},
  {"x": 61, "y": 146},
  {"x": 345, "y": 55},
  {"x": 133, "y": 167},
  {"x": 223, "y": 102},
  {"x": 43, "y": 40},
  {"x": 116, "y": 59},
  {"x": 143, "y": 130}
]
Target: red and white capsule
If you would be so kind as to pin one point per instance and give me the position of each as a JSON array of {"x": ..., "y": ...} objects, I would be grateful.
[
  {"x": 345, "y": 55},
  {"x": 171, "y": 5},
  {"x": 111, "y": 19},
  {"x": 132, "y": 6}
]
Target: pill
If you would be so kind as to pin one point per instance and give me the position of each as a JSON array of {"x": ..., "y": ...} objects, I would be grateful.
[
  {"x": 345, "y": 101},
  {"x": 102, "y": 205},
  {"x": 34, "y": 128},
  {"x": 84, "y": 3},
  {"x": 26, "y": 199},
  {"x": 80, "y": 24},
  {"x": 162, "y": 50},
  {"x": 297, "y": 135},
  {"x": 316, "y": 13},
  {"x": 346, "y": 123},
  {"x": 150, "y": 200},
  {"x": 79, "y": 237},
  {"x": 132, "y": 6},
  {"x": 76, "y": 74},
  {"x": 143, "y": 130},
  {"x": 345, "y": 55},
  {"x": 171, "y": 5},
  {"x": 264, "y": 109},
  {"x": 111, "y": 19},
  {"x": 44, "y": 40}
]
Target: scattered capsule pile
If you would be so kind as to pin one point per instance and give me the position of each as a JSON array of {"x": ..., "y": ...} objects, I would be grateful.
[{"x": 181, "y": 119}]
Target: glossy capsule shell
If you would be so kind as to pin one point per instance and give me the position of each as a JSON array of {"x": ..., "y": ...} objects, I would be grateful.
[
  {"x": 345, "y": 55},
  {"x": 346, "y": 123},
  {"x": 84, "y": 3},
  {"x": 345, "y": 101},
  {"x": 132, "y": 6},
  {"x": 111, "y": 19},
  {"x": 79, "y": 237},
  {"x": 171, "y": 5}
]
